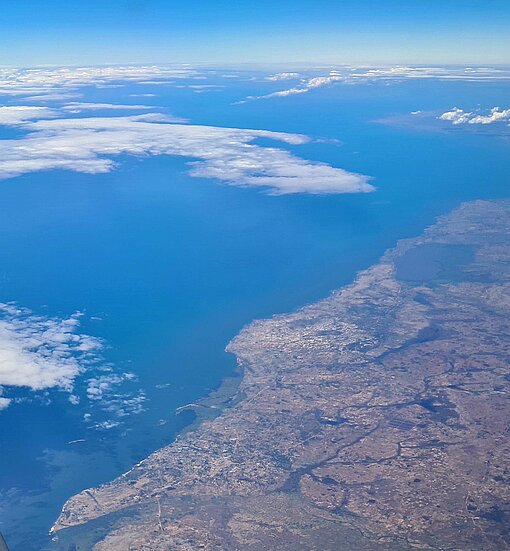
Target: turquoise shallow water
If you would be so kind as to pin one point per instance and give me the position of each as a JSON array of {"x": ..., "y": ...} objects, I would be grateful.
[{"x": 168, "y": 268}]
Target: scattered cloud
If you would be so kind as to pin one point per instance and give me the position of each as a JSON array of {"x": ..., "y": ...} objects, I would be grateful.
[
  {"x": 39, "y": 353},
  {"x": 98, "y": 387},
  {"x": 106, "y": 425},
  {"x": 126, "y": 404},
  {"x": 459, "y": 116},
  {"x": 455, "y": 116},
  {"x": 105, "y": 389},
  {"x": 226, "y": 154},
  {"x": 496, "y": 115}
]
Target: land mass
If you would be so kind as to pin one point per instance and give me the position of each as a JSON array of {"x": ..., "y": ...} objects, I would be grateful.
[{"x": 374, "y": 419}]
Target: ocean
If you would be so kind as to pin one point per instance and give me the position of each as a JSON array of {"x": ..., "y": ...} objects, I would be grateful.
[{"x": 166, "y": 269}]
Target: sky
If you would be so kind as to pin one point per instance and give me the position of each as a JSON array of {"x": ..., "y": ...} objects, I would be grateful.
[{"x": 36, "y": 32}]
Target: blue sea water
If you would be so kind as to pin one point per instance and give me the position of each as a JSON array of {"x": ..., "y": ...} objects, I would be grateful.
[{"x": 168, "y": 268}]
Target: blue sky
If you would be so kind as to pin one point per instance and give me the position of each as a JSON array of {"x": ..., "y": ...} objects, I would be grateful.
[{"x": 228, "y": 31}]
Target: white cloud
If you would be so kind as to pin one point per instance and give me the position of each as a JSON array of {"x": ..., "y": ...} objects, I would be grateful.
[
  {"x": 283, "y": 76},
  {"x": 106, "y": 425},
  {"x": 459, "y": 116},
  {"x": 303, "y": 88},
  {"x": 205, "y": 86},
  {"x": 13, "y": 115},
  {"x": 40, "y": 353},
  {"x": 496, "y": 115},
  {"x": 105, "y": 390},
  {"x": 123, "y": 405},
  {"x": 59, "y": 83},
  {"x": 56, "y": 82},
  {"x": 353, "y": 75},
  {"x": 102, "y": 385},
  {"x": 455, "y": 116},
  {"x": 226, "y": 154},
  {"x": 4, "y": 403}
]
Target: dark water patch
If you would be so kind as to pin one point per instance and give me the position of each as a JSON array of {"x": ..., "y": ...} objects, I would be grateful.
[
  {"x": 330, "y": 481},
  {"x": 333, "y": 422},
  {"x": 430, "y": 333},
  {"x": 421, "y": 298},
  {"x": 436, "y": 263},
  {"x": 281, "y": 460},
  {"x": 440, "y": 407},
  {"x": 427, "y": 334},
  {"x": 428, "y": 404},
  {"x": 496, "y": 514},
  {"x": 499, "y": 516}
]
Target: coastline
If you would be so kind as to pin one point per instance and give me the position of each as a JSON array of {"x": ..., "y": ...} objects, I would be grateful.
[{"x": 269, "y": 438}]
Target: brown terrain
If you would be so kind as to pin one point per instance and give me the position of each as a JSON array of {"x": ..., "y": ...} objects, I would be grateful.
[{"x": 376, "y": 419}]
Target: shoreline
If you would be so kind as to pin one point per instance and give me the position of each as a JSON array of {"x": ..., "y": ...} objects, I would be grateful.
[{"x": 292, "y": 370}]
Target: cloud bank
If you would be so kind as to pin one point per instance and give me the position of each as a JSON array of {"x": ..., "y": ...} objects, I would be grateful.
[
  {"x": 61, "y": 83},
  {"x": 55, "y": 141},
  {"x": 18, "y": 114},
  {"x": 458, "y": 116},
  {"x": 55, "y": 83},
  {"x": 440, "y": 73},
  {"x": 353, "y": 75},
  {"x": 229, "y": 155}
]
